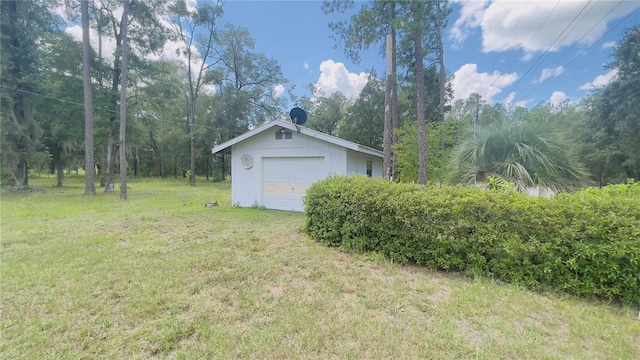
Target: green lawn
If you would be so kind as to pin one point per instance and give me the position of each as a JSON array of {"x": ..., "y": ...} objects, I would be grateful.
[{"x": 161, "y": 276}]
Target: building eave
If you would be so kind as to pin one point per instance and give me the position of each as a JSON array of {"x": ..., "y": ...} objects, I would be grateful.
[{"x": 225, "y": 147}]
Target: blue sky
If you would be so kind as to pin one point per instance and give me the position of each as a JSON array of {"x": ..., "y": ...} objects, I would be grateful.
[{"x": 517, "y": 52}]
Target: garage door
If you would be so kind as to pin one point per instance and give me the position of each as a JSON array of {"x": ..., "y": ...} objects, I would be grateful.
[{"x": 285, "y": 180}]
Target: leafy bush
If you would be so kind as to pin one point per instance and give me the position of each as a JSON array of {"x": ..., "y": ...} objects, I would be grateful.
[{"x": 586, "y": 243}]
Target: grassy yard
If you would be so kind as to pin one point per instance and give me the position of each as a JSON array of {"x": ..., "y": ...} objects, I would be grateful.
[{"x": 161, "y": 276}]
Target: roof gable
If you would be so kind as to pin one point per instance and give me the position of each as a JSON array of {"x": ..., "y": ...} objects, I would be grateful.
[{"x": 226, "y": 146}]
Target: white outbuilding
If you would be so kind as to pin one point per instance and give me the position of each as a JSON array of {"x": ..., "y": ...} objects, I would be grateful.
[{"x": 273, "y": 164}]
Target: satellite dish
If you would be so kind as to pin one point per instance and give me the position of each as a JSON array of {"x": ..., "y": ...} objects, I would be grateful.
[{"x": 298, "y": 116}]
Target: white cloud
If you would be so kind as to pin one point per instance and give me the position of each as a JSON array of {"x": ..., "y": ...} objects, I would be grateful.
[
  {"x": 191, "y": 5},
  {"x": 172, "y": 50},
  {"x": 468, "y": 80},
  {"x": 108, "y": 44},
  {"x": 538, "y": 25},
  {"x": 60, "y": 10},
  {"x": 208, "y": 89},
  {"x": 548, "y": 73},
  {"x": 557, "y": 97},
  {"x": 278, "y": 90},
  {"x": 527, "y": 56},
  {"x": 306, "y": 65},
  {"x": 169, "y": 51},
  {"x": 335, "y": 77},
  {"x": 608, "y": 44},
  {"x": 522, "y": 103},
  {"x": 470, "y": 17},
  {"x": 508, "y": 101},
  {"x": 600, "y": 80},
  {"x": 75, "y": 32}
]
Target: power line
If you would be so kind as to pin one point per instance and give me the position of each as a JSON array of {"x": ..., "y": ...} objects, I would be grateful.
[
  {"x": 577, "y": 42},
  {"x": 511, "y": 35},
  {"x": 589, "y": 47},
  {"x": 56, "y": 99},
  {"x": 108, "y": 110},
  {"x": 536, "y": 33},
  {"x": 547, "y": 50},
  {"x": 578, "y": 23}
]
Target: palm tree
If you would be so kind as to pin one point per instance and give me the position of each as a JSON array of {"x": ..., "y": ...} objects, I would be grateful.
[{"x": 527, "y": 153}]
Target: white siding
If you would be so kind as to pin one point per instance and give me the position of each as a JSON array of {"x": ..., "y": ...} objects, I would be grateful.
[
  {"x": 282, "y": 170},
  {"x": 357, "y": 164},
  {"x": 247, "y": 184}
]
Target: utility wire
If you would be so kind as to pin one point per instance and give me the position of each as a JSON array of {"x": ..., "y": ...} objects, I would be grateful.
[
  {"x": 535, "y": 34},
  {"x": 578, "y": 23},
  {"x": 547, "y": 50},
  {"x": 589, "y": 47},
  {"x": 511, "y": 35},
  {"x": 53, "y": 98},
  {"x": 107, "y": 110}
]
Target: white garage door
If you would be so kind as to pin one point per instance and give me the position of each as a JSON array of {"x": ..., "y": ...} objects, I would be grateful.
[{"x": 285, "y": 180}]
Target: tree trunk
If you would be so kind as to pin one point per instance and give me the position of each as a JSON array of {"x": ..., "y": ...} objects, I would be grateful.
[
  {"x": 59, "y": 171},
  {"x": 224, "y": 169},
  {"x": 109, "y": 180},
  {"x": 137, "y": 167},
  {"x": 101, "y": 174},
  {"x": 89, "y": 164},
  {"x": 395, "y": 124},
  {"x": 422, "y": 129},
  {"x": 20, "y": 106},
  {"x": 192, "y": 141},
  {"x": 111, "y": 137},
  {"x": 387, "y": 170},
  {"x": 123, "y": 103},
  {"x": 442, "y": 83},
  {"x": 476, "y": 114},
  {"x": 101, "y": 166},
  {"x": 111, "y": 141},
  {"x": 443, "y": 76},
  {"x": 23, "y": 168},
  {"x": 162, "y": 173}
]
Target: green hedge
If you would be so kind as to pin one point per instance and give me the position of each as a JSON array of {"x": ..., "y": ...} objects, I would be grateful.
[{"x": 585, "y": 243}]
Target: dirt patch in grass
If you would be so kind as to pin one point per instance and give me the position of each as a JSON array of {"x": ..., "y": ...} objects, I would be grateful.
[{"x": 472, "y": 337}]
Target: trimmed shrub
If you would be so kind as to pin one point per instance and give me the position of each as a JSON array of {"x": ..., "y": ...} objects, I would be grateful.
[{"x": 585, "y": 243}]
